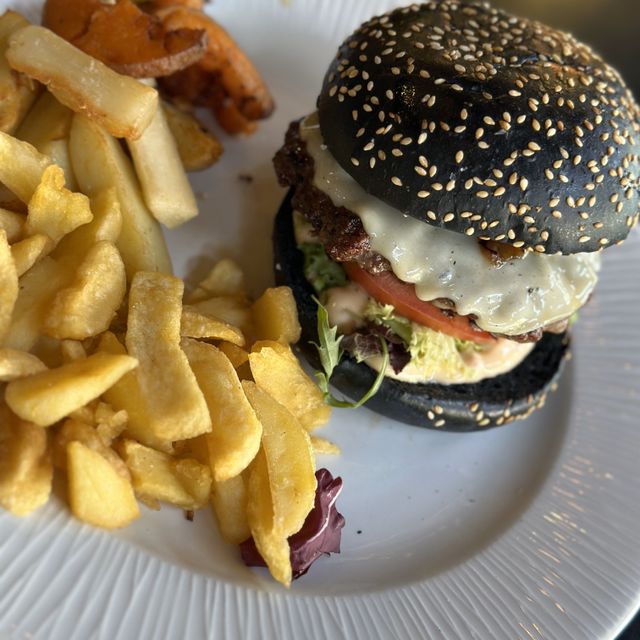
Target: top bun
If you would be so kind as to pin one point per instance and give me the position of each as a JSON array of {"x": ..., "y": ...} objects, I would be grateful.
[{"x": 476, "y": 121}]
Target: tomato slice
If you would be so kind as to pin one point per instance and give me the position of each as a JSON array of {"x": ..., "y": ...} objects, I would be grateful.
[{"x": 386, "y": 288}]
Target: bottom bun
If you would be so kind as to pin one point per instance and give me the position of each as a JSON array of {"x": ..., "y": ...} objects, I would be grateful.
[{"x": 456, "y": 407}]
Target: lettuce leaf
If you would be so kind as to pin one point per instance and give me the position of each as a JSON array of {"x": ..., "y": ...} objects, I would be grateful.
[
  {"x": 322, "y": 272},
  {"x": 431, "y": 351}
]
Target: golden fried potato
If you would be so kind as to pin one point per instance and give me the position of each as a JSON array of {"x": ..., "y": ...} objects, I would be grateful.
[
  {"x": 37, "y": 288},
  {"x": 21, "y": 166},
  {"x": 289, "y": 458},
  {"x": 25, "y": 464},
  {"x": 8, "y": 286},
  {"x": 230, "y": 309},
  {"x": 229, "y": 502},
  {"x": 87, "y": 306},
  {"x": 198, "y": 148},
  {"x": 121, "y": 104},
  {"x": 269, "y": 536},
  {"x": 28, "y": 251},
  {"x": 98, "y": 494},
  {"x": 106, "y": 225},
  {"x": 99, "y": 163},
  {"x": 275, "y": 316},
  {"x": 17, "y": 92},
  {"x": 197, "y": 325},
  {"x": 53, "y": 209},
  {"x": 235, "y": 434},
  {"x": 174, "y": 404},
  {"x": 276, "y": 370},
  {"x": 109, "y": 423},
  {"x": 125, "y": 395},
  {"x": 46, "y": 397},
  {"x": 18, "y": 364},
  {"x": 58, "y": 152},
  {"x": 183, "y": 482},
  {"x": 324, "y": 447},
  {"x": 75, "y": 430},
  {"x": 71, "y": 350},
  {"x": 224, "y": 279},
  {"x": 48, "y": 120},
  {"x": 164, "y": 183},
  {"x": 12, "y": 224},
  {"x": 236, "y": 355}
]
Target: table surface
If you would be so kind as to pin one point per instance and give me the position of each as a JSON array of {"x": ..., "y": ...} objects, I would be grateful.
[{"x": 611, "y": 27}]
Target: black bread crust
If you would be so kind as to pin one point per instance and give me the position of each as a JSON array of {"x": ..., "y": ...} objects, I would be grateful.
[
  {"x": 460, "y": 407},
  {"x": 470, "y": 119}
]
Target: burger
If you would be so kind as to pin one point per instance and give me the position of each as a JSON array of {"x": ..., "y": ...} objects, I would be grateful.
[{"x": 448, "y": 204}]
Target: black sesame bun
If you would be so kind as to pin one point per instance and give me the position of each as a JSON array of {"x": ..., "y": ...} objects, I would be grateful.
[
  {"x": 457, "y": 407},
  {"x": 473, "y": 120}
]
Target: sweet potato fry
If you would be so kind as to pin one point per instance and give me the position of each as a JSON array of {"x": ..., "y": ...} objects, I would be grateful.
[
  {"x": 124, "y": 37},
  {"x": 237, "y": 74}
]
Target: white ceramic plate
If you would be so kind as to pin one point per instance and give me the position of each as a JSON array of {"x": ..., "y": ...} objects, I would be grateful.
[{"x": 529, "y": 531}]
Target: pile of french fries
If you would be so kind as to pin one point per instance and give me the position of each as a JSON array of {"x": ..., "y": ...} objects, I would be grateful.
[{"x": 131, "y": 388}]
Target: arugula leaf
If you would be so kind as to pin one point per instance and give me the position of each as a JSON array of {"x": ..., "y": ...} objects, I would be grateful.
[{"x": 331, "y": 353}]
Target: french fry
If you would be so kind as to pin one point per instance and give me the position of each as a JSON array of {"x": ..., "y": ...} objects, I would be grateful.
[
  {"x": 87, "y": 306},
  {"x": 289, "y": 458},
  {"x": 164, "y": 183},
  {"x": 37, "y": 288},
  {"x": 106, "y": 225},
  {"x": 98, "y": 494},
  {"x": 109, "y": 423},
  {"x": 99, "y": 163},
  {"x": 71, "y": 350},
  {"x": 224, "y": 279},
  {"x": 25, "y": 464},
  {"x": 236, "y": 431},
  {"x": 17, "y": 93},
  {"x": 8, "y": 286},
  {"x": 28, "y": 251},
  {"x": 229, "y": 502},
  {"x": 324, "y": 447},
  {"x": 275, "y": 316},
  {"x": 236, "y": 355},
  {"x": 46, "y": 397},
  {"x": 121, "y": 104},
  {"x": 197, "y": 147},
  {"x": 48, "y": 120},
  {"x": 271, "y": 540},
  {"x": 75, "y": 430},
  {"x": 58, "y": 152},
  {"x": 9, "y": 201},
  {"x": 276, "y": 370},
  {"x": 18, "y": 364},
  {"x": 197, "y": 325},
  {"x": 12, "y": 224},
  {"x": 175, "y": 406},
  {"x": 230, "y": 309},
  {"x": 21, "y": 166},
  {"x": 53, "y": 209},
  {"x": 125, "y": 395},
  {"x": 185, "y": 483}
]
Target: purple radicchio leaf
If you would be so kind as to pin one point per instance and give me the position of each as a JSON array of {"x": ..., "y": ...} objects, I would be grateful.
[{"x": 320, "y": 533}]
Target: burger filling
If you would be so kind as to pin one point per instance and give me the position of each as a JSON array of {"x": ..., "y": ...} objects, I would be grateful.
[{"x": 451, "y": 309}]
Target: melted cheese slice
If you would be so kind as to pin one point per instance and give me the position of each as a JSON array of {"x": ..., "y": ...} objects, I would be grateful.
[{"x": 519, "y": 296}]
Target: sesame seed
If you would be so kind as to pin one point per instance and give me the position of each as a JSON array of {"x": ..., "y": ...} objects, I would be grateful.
[
  {"x": 431, "y": 215},
  {"x": 448, "y": 217},
  {"x": 470, "y": 231},
  {"x": 395, "y": 180},
  {"x": 423, "y": 194},
  {"x": 459, "y": 156},
  {"x": 355, "y": 162},
  {"x": 583, "y": 239}
]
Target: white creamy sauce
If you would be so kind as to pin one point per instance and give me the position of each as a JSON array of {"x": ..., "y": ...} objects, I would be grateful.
[
  {"x": 519, "y": 296},
  {"x": 503, "y": 356},
  {"x": 345, "y": 306}
]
